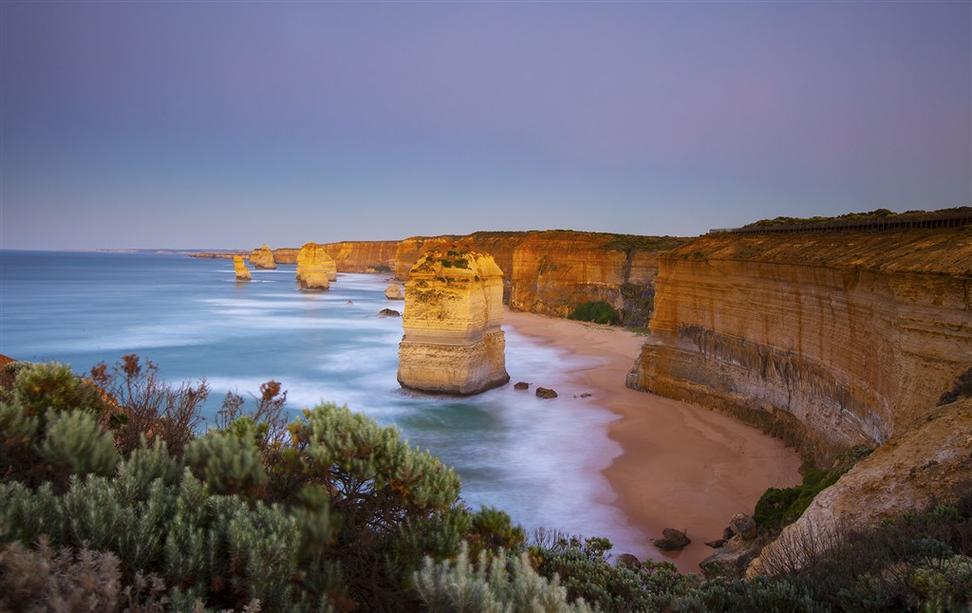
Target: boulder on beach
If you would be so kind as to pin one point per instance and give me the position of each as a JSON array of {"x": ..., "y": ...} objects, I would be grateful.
[
  {"x": 394, "y": 292},
  {"x": 239, "y": 267},
  {"x": 732, "y": 558},
  {"x": 389, "y": 313},
  {"x": 743, "y": 526},
  {"x": 521, "y": 385},
  {"x": 546, "y": 392},
  {"x": 672, "y": 540},
  {"x": 628, "y": 560}
]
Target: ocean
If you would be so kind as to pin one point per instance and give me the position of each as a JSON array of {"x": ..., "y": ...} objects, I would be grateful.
[{"x": 538, "y": 460}]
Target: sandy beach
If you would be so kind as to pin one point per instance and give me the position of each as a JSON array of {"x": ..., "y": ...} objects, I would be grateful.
[{"x": 682, "y": 466}]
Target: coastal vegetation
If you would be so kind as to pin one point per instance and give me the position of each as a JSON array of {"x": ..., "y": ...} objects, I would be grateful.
[
  {"x": 597, "y": 311},
  {"x": 114, "y": 498}
]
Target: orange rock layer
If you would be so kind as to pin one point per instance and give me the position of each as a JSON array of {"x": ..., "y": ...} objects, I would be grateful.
[
  {"x": 453, "y": 341},
  {"x": 854, "y": 335}
]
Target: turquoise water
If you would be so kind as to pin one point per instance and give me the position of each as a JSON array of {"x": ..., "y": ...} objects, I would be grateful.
[{"x": 538, "y": 460}]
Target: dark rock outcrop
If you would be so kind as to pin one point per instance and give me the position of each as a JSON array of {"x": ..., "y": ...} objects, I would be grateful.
[{"x": 672, "y": 540}]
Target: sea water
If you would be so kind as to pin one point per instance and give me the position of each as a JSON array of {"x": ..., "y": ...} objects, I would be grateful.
[{"x": 538, "y": 460}]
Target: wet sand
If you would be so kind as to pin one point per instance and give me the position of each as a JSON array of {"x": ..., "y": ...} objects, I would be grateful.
[{"x": 682, "y": 466}]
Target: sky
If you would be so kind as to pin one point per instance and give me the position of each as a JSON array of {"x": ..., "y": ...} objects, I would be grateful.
[{"x": 230, "y": 124}]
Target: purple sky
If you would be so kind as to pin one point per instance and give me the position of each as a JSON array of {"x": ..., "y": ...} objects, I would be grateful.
[{"x": 231, "y": 124}]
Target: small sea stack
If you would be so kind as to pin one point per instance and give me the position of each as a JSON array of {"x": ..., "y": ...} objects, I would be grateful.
[
  {"x": 262, "y": 257},
  {"x": 453, "y": 340},
  {"x": 315, "y": 268},
  {"x": 239, "y": 267},
  {"x": 394, "y": 292}
]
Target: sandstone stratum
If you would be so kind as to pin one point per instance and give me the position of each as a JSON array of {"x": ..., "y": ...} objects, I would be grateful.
[
  {"x": 844, "y": 338},
  {"x": 549, "y": 272},
  {"x": 831, "y": 338},
  {"x": 262, "y": 257},
  {"x": 920, "y": 468},
  {"x": 239, "y": 267},
  {"x": 315, "y": 268},
  {"x": 453, "y": 341}
]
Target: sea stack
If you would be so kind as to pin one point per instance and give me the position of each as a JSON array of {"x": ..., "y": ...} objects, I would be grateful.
[
  {"x": 262, "y": 257},
  {"x": 239, "y": 266},
  {"x": 453, "y": 341},
  {"x": 315, "y": 268}
]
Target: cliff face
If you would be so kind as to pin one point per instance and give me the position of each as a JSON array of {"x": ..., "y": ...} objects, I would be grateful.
[
  {"x": 919, "y": 468},
  {"x": 285, "y": 255},
  {"x": 849, "y": 336},
  {"x": 552, "y": 272},
  {"x": 239, "y": 267},
  {"x": 453, "y": 340},
  {"x": 262, "y": 257},
  {"x": 315, "y": 268},
  {"x": 363, "y": 256}
]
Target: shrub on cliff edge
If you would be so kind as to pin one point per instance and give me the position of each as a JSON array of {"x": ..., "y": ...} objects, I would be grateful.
[{"x": 598, "y": 311}]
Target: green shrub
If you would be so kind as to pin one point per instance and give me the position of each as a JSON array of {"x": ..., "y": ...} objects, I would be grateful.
[
  {"x": 778, "y": 507},
  {"x": 76, "y": 444},
  {"x": 599, "y": 312},
  {"x": 584, "y": 569},
  {"x": 495, "y": 584},
  {"x": 334, "y": 512}
]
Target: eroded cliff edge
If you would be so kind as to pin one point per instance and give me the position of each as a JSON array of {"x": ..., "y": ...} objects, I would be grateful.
[
  {"x": 550, "y": 272},
  {"x": 839, "y": 338}
]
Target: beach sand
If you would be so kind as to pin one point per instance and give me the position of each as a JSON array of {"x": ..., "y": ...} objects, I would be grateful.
[{"x": 682, "y": 466}]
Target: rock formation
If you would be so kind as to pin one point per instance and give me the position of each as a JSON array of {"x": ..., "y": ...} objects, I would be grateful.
[
  {"x": 847, "y": 337},
  {"x": 672, "y": 540},
  {"x": 262, "y": 257},
  {"x": 546, "y": 393},
  {"x": 394, "y": 292},
  {"x": 924, "y": 466},
  {"x": 453, "y": 341},
  {"x": 550, "y": 272},
  {"x": 315, "y": 268},
  {"x": 239, "y": 266}
]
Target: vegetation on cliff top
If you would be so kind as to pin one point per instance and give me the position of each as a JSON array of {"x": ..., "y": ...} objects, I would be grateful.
[
  {"x": 875, "y": 215},
  {"x": 111, "y": 500}
]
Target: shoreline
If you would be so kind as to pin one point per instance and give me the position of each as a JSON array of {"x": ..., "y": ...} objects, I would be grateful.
[{"x": 681, "y": 466}]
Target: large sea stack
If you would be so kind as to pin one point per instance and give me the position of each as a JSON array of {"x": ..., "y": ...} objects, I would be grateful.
[
  {"x": 262, "y": 257},
  {"x": 239, "y": 267},
  {"x": 453, "y": 341},
  {"x": 315, "y": 268}
]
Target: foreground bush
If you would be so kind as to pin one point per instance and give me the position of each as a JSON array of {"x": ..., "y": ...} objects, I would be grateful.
[{"x": 110, "y": 500}]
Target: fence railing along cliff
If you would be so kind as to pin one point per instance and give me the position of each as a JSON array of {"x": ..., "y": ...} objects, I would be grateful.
[{"x": 948, "y": 219}]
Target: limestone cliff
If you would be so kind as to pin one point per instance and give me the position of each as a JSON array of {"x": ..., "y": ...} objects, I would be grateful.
[
  {"x": 262, "y": 257},
  {"x": 554, "y": 271},
  {"x": 924, "y": 466},
  {"x": 315, "y": 268},
  {"x": 848, "y": 336},
  {"x": 285, "y": 255},
  {"x": 363, "y": 256},
  {"x": 239, "y": 267},
  {"x": 550, "y": 272},
  {"x": 453, "y": 340}
]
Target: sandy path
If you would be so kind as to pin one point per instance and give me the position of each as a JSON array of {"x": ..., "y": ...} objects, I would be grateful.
[{"x": 682, "y": 466}]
